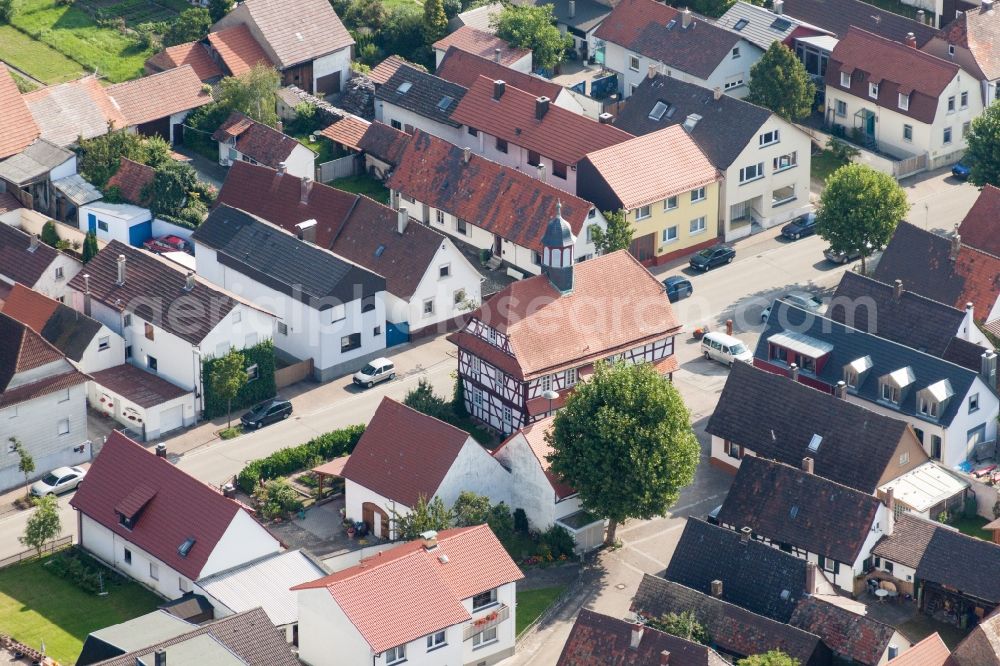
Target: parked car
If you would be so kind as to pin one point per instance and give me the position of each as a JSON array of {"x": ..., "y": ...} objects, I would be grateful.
[
  {"x": 724, "y": 348},
  {"x": 713, "y": 256},
  {"x": 803, "y": 225},
  {"x": 961, "y": 171},
  {"x": 800, "y": 299},
  {"x": 678, "y": 287},
  {"x": 379, "y": 370},
  {"x": 168, "y": 243},
  {"x": 58, "y": 481},
  {"x": 841, "y": 257},
  {"x": 266, "y": 413}
]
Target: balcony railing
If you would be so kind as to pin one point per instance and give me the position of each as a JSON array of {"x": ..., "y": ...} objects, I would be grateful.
[{"x": 486, "y": 621}]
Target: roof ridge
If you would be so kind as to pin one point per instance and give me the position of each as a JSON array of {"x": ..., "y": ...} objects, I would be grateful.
[{"x": 865, "y": 34}]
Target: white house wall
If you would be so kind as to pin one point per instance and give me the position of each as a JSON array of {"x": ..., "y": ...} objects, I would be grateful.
[
  {"x": 463, "y": 276},
  {"x": 49, "y": 283},
  {"x": 530, "y": 488},
  {"x": 504, "y": 645},
  {"x": 118, "y": 217},
  {"x": 67, "y": 168},
  {"x": 338, "y": 61},
  {"x": 326, "y": 636},
  {"x": 476, "y": 470},
  {"x": 94, "y": 358},
  {"x": 356, "y": 495},
  {"x": 243, "y": 541},
  {"x": 118, "y": 407},
  {"x": 388, "y": 112},
  {"x": 516, "y": 157}
]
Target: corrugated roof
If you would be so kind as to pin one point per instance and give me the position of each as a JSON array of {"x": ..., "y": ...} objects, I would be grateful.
[
  {"x": 925, "y": 486},
  {"x": 77, "y": 189},
  {"x": 17, "y": 128},
  {"x": 34, "y": 162}
]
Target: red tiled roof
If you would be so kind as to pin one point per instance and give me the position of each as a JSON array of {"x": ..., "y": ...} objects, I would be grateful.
[
  {"x": 347, "y": 131},
  {"x": 981, "y": 284},
  {"x": 380, "y": 595},
  {"x": 143, "y": 388},
  {"x": 29, "y": 307},
  {"x": 195, "y": 54},
  {"x": 8, "y": 203},
  {"x": 21, "y": 350},
  {"x": 182, "y": 506},
  {"x": 133, "y": 180},
  {"x": 534, "y": 435},
  {"x": 383, "y": 71},
  {"x": 465, "y": 68},
  {"x": 560, "y": 135},
  {"x": 615, "y": 305},
  {"x": 981, "y": 227},
  {"x": 403, "y": 454},
  {"x": 501, "y": 200},
  {"x": 929, "y": 652},
  {"x": 976, "y": 30},
  {"x": 896, "y": 68},
  {"x": 856, "y": 637},
  {"x": 384, "y": 142},
  {"x": 264, "y": 144},
  {"x": 481, "y": 43},
  {"x": 160, "y": 95},
  {"x": 238, "y": 49},
  {"x": 17, "y": 127}
]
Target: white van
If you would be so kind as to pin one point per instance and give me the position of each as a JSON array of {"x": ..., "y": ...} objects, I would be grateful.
[{"x": 724, "y": 348}]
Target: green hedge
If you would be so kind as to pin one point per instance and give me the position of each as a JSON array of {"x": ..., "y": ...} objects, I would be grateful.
[
  {"x": 297, "y": 458},
  {"x": 253, "y": 392}
]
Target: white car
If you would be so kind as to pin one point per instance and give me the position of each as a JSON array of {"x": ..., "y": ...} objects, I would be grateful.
[
  {"x": 58, "y": 481},
  {"x": 800, "y": 299},
  {"x": 378, "y": 370}
]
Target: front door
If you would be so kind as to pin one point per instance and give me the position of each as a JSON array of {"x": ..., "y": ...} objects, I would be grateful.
[
  {"x": 497, "y": 246},
  {"x": 644, "y": 247},
  {"x": 870, "y": 124}
]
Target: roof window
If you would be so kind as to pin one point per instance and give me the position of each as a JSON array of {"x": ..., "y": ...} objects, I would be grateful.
[
  {"x": 815, "y": 442},
  {"x": 781, "y": 24},
  {"x": 742, "y": 23},
  {"x": 659, "y": 110},
  {"x": 404, "y": 87},
  {"x": 186, "y": 547},
  {"x": 445, "y": 103}
]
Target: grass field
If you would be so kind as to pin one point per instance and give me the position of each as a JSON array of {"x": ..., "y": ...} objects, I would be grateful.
[
  {"x": 36, "y": 605},
  {"x": 823, "y": 164},
  {"x": 73, "y": 33},
  {"x": 973, "y": 526},
  {"x": 363, "y": 184},
  {"x": 532, "y": 603},
  {"x": 40, "y": 61},
  {"x": 138, "y": 11}
]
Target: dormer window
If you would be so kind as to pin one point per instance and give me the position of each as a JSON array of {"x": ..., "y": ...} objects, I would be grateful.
[
  {"x": 904, "y": 102},
  {"x": 892, "y": 385},
  {"x": 854, "y": 372},
  {"x": 873, "y": 90},
  {"x": 845, "y": 80},
  {"x": 928, "y": 407},
  {"x": 932, "y": 400},
  {"x": 890, "y": 393}
]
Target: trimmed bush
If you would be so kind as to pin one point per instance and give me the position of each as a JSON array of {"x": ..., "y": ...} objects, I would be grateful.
[
  {"x": 252, "y": 392},
  {"x": 297, "y": 458}
]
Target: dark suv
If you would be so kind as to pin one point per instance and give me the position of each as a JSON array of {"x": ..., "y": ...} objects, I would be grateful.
[{"x": 266, "y": 413}]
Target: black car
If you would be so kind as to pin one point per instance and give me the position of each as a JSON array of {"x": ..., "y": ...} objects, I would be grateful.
[
  {"x": 712, "y": 257},
  {"x": 803, "y": 225},
  {"x": 678, "y": 287},
  {"x": 266, "y": 413}
]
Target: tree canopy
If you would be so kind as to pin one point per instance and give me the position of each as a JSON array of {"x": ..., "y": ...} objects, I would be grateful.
[
  {"x": 228, "y": 377},
  {"x": 425, "y": 517},
  {"x": 859, "y": 210},
  {"x": 683, "y": 625},
  {"x": 43, "y": 525},
  {"x": 252, "y": 93},
  {"x": 190, "y": 26},
  {"x": 771, "y": 658},
  {"x": 983, "y": 151},
  {"x": 624, "y": 441},
  {"x": 219, "y": 8},
  {"x": 435, "y": 21},
  {"x": 779, "y": 82},
  {"x": 618, "y": 235},
  {"x": 531, "y": 27}
]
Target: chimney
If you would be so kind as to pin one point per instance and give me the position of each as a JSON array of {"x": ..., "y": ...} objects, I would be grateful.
[
  {"x": 970, "y": 311},
  {"x": 121, "y": 270},
  {"x": 160, "y": 657},
  {"x": 402, "y": 219},
  {"x": 717, "y": 588},
  {"x": 161, "y": 450},
  {"x": 911, "y": 40},
  {"x": 956, "y": 244},
  {"x": 605, "y": 118},
  {"x": 665, "y": 658},
  {"x": 745, "y": 533},
  {"x": 282, "y": 168},
  {"x": 920, "y": 16},
  {"x": 778, "y": 7},
  {"x": 690, "y": 122},
  {"x": 717, "y": 93},
  {"x": 541, "y": 172},
  {"x": 229, "y": 490},
  {"x": 499, "y": 88},
  {"x": 794, "y": 370},
  {"x": 307, "y": 184},
  {"x": 685, "y": 18},
  {"x": 841, "y": 390},
  {"x": 86, "y": 294},
  {"x": 306, "y": 231},
  {"x": 541, "y": 107},
  {"x": 986, "y": 6},
  {"x": 807, "y": 465},
  {"x": 637, "y": 630},
  {"x": 651, "y": 71},
  {"x": 810, "y": 577},
  {"x": 890, "y": 509},
  {"x": 988, "y": 368},
  {"x": 897, "y": 290},
  {"x": 572, "y": 8},
  {"x": 466, "y": 155},
  {"x": 189, "y": 281},
  {"x": 497, "y": 55},
  {"x": 429, "y": 539},
  {"x": 33, "y": 243}
]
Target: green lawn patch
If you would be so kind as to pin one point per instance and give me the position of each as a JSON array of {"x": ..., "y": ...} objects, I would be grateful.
[
  {"x": 823, "y": 164},
  {"x": 135, "y": 12},
  {"x": 973, "y": 526},
  {"x": 895, "y": 6},
  {"x": 40, "y": 61},
  {"x": 392, "y": 5},
  {"x": 323, "y": 147},
  {"x": 231, "y": 432},
  {"x": 36, "y": 605},
  {"x": 532, "y": 603},
  {"x": 363, "y": 184}
]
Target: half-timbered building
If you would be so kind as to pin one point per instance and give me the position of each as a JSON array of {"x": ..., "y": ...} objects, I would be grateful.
[{"x": 545, "y": 333}]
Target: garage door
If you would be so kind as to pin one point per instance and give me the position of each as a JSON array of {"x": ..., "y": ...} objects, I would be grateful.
[{"x": 171, "y": 419}]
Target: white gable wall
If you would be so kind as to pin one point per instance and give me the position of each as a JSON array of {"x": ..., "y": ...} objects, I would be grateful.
[
  {"x": 476, "y": 470},
  {"x": 326, "y": 636},
  {"x": 463, "y": 277},
  {"x": 390, "y": 113},
  {"x": 94, "y": 358},
  {"x": 244, "y": 540}
]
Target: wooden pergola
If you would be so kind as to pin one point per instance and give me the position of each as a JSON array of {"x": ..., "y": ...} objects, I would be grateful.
[{"x": 334, "y": 468}]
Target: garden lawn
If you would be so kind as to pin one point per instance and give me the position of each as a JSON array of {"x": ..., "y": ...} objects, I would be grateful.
[
  {"x": 823, "y": 164},
  {"x": 323, "y": 147},
  {"x": 973, "y": 526},
  {"x": 31, "y": 56},
  {"x": 72, "y": 32},
  {"x": 363, "y": 184},
  {"x": 532, "y": 603},
  {"x": 36, "y": 605}
]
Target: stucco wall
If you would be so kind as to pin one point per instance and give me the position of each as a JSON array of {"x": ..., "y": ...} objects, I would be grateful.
[{"x": 243, "y": 541}]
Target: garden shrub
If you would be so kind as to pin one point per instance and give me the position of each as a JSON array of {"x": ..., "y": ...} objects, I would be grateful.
[
  {"x": 297, "y": 458},
  {"x": 559, "y": 541},
  {"x": 252, "y": 392},
  {"x": 77, "y": 567}
]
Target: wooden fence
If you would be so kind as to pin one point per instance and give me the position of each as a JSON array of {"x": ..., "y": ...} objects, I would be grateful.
[
  {"x": 50, "y": 547},
  {"x": 293, "y": 373},
  {"x": 338, "y": 168}
]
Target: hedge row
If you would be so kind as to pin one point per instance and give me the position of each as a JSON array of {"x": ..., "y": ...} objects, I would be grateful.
[
  {"x": 253, "y": 392},
  {"x": 297, "y": 458}
]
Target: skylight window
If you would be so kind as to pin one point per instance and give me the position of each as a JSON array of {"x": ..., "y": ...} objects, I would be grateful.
[
  {"x": 794, "y": 511},
  {"x": 445, "y": 103},
  {"x": 742, "y": 23},
  {"x": 659, "y": 109},
  {"x": 815, "y": 442},
  {"x": 671, "y": 24},
  {"x": 186, "y": 547},
  {"x": 781, "y": 24},
  {"x": 379, "y": 250},
  {"x": 404, "y": 87}
]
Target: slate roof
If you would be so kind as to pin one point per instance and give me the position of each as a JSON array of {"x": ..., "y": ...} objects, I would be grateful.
[
  {"x": 837, "y": 16},
  {"x": 501, "y": 200},
  {"x": 887, "y": 356},
  {"x": 976, "y": 30},
  {"x": 247, "y": 636},
  {"x": 931, "y": 651},
  {"x": 263, "y": 144},
  {"x": 17, "y": 127},
  {"x": 385, "y": 69},
  {"x": 238, "y": 49},
  {"x": 195, "y": 54},
  {"x": 170, "y": 505},
  {"x": 643, "y": 27},
  {"x": 560, "y": 135},
  {"x": 897, "y": 69},
  {"x": 68, "y": 111},
  {"x": 482, "y": 44},
  {"x": 734, "y": 630},
  {"x": 154, "y": 290},
  {"x": 422, "y": 93},
  {"x": 312, "y": 30},
  {"x": 726, "y": 127},
  {"x": 754, "y": 576},
  {"x": 981, "y": 647},
  {"x": 979, "y": 228},
  {"x": 67, "y": 330},
  {"x": 465, "y": 68},
  {"x": 143, "y": 388},
  {"x": 790, "y": 506},
  {"x": 848, "y": 634},
  {"x": 601, "y": 640},
  {"x": 34, "y": 162},
  {"x": 403, "y": 454},
  {"x": 587, "y": 15},
  {"x": 650, "y": 168},
  {"x": 23, "y": 350},
  {"x": 160, "y": 95},
  {"x": 545, "y": 334},
  {"x": 379, "y": 595},
  {"x": 759, "y": 25},
  {"x": 384, "y": 142},
  {"x": 534, "y": 434},
  {"x": 134, "y": 181},
  {"x": 274, "y": 257},
  {"x": 858, "y": 444},
  {"x": 18, "y": 261}
]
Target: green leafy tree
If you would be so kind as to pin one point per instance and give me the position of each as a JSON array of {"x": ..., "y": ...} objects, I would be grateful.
[
  {"x": 9, "y": 9},
  {"x": 779, "y": 82},
  {"x": 435, "y": 21},
  {"x": 252, "y": 93},
  {"x": 531, "y": 27},
  {"x": 190, "y": 26},
  {"x": 859, "y": 210},
  {"x": 25, "y": 463},
  {"x": 683, "y": 625},
  {"x": 276, "y": 498},
  {"x": 43, "y": 525},
  {"x": 100, "y": 157},
  {"x": 624, "y": 441},
  {"x": 49, "y": 234},
  {"x": 364, "y": 15},
  {"x": 155, "y": 152},
  {"x": 983, "y": 151},
  {"x": 90, "y": 248},
  {"x": 171, "y": 188},
  {"x": 423, "y": 399},
  {"x": 713, "y": 8},
  {"x": 771, "y": 658},
  {"x": 219, "y": 8},
  {"x": 426, "y": 516},
  {"x": 458, "y": 399},
  {"x": 228, "y": 376},
  {"x": 403, "y": 34},
  {"x": 471, "y": 509},
  {"x": 618, "y": 235}
]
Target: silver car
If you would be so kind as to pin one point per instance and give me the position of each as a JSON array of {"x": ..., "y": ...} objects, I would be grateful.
[
  {"x": 800, "y": 299},
  {"x": 58, "y": 481}
]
